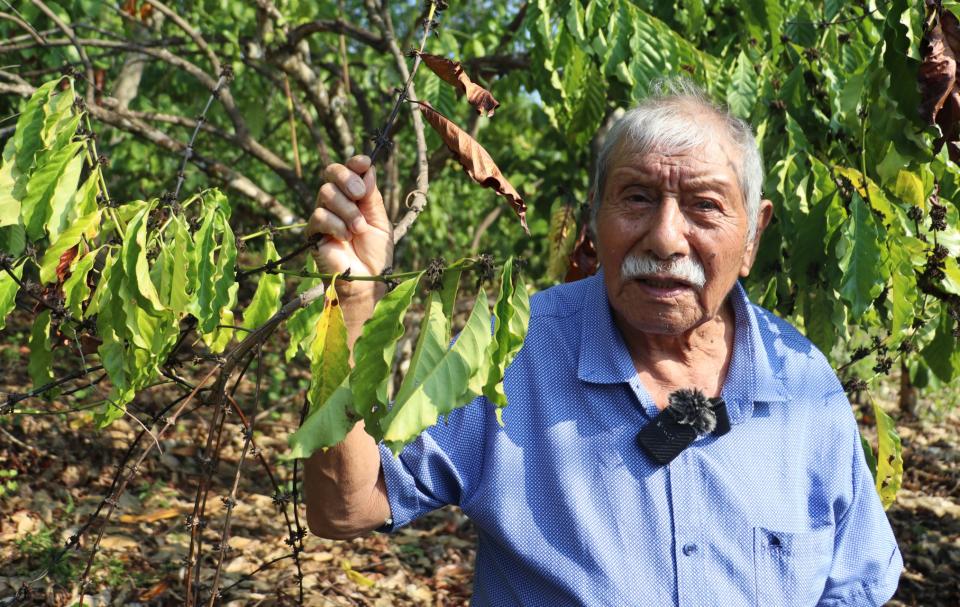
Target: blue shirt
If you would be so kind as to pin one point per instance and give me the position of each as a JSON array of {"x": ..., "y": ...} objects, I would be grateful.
[{"x": 781, "y": 511}]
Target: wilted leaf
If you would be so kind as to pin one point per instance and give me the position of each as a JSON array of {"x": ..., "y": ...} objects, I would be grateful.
[
  {"x": 583, "y": 260},
  {"x": 68, "y": 240},
  {"x": 135, "y": 265},
  {"x": 440, "y": 377},
  {"x": 63, "y": 267},
  {"x": 266, "y": 299},
  {"x": 40, "y": 366},
  {"x": 475, "y": 160},
  {"x": 452, "y": 73},
  {"x": 302, "y": 323},
  {"x": 8, "y": 292},
  {"x": 328, "y": 353},
  {"x": 374, "y": 350},
  {"x": 561, "y": 237},
  {"x": 512, "y": 314},
  {"x": 889, "y": 458},
  {"x": 937, "y": 74}
]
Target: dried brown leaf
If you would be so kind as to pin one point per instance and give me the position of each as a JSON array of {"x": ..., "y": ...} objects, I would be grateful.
[
  {"x": 475, "y": 160},
  {"x": 63, "y": 268},
  {"x": 583, "y": 260},
  {"x": 937, "y": 74},
  {"x": 452, "y": 73}
]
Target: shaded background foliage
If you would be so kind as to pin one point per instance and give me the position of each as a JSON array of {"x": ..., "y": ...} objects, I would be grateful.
[{"x": 863, "y": 254}]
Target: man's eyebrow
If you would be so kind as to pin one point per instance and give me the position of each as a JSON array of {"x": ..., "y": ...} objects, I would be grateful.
[{"x": 708, "y": 182}]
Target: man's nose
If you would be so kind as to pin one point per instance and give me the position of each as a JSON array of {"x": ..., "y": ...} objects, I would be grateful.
[{"x": 667, "y": 236}]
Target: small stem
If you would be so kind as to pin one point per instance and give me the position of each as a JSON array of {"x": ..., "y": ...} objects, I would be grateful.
[
  {"x": 265, "y": 231},
  {"x": 383, "y": 137}
]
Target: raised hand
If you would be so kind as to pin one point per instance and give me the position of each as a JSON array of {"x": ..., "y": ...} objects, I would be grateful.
[{"x": 357, "y": 232}]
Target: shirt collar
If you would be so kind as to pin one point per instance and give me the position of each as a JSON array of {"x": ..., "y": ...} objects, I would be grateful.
[{"x": 751, "y": 377}]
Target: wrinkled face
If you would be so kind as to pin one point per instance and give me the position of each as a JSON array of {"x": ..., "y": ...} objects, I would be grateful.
[{"x": 679, "y": 211}]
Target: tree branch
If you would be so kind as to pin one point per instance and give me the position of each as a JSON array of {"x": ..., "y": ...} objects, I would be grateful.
[
  {"x": 68, "y": 31},
  {"x": 336, "y": 26},
  {"x": 380, "y": 16},
  {"x": 188, "y": 29}
]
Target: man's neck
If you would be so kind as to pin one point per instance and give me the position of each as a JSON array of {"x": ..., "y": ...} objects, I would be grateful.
[{"x": 698, "y": 358}]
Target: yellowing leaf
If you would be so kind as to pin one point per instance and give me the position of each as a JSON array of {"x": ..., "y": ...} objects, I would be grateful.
[
  {"x": 889, "y": 458},
  {"x": 8, "y": 292},
  {"x": 66, "y": 240},
  {"x": 329, "y": 354},
  {"x": 266, "y": 299}
]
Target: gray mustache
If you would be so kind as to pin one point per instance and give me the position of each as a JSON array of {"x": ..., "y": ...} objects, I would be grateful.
[{"x": 686, "y": 269}]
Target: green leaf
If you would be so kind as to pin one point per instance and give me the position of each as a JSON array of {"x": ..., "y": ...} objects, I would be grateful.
[
  {"x": 909, "y": 188},
  {"x": 374, "y": 351},
  {"x": 744, "y": 83},
  {"x": 135, "y": 264},
  {"x": 302, "y": 323},
  {"x": 903, "y": 291},
  {"x": 942, "y": 354},
  {"x": 204, "y": 307},
  {"x": 26, "y": 140},
  {"x": 63, "y": 195},
  {"x": 889, "y": 475},
  {"x": 512, "y": 312},
  {"x": 75, "y": 287},
  {"x": 40, "y": 366},
  {"x": 266, "y": 299},
  {"x": 561, "y": 237},
  {"x": 9, "y": 204},
  {"x": 226, "y": 279},
  {"x": 8, "y": 292},
  {"x": 328, "y": 353},
  {"x": 221, "y": 335},
  {"x": 325, "y": 427},
  {"x": 859, "y": 254},
  {"x": 67, "y": 240},
  {"x": 182, "y": 276},
  {"x": 438, "y": 380},
  {"x": 13, "y": 240},
  {"x": 868, "y": 454},
  {"x": 85, "y": 198},
  {"x": 44, "y": 182}
]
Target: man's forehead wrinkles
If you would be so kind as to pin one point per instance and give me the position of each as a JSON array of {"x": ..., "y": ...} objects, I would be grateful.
[{"x": 673, "y": 174}]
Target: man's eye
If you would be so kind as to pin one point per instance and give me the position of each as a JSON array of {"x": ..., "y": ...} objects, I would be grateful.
[
  {"x": 639, "y": 197},
  {"x": 707, "y": 205}
]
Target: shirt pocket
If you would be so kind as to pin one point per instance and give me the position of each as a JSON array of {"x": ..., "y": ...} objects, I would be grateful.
[{"x": 791, "y": 567}]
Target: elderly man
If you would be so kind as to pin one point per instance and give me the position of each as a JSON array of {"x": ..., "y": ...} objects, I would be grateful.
[{"x": 570, "y": 507}]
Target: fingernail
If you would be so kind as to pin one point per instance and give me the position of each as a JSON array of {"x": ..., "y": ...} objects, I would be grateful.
[
  {"x": 356, "y": 187},
  {"x": 358, "y": 225}
]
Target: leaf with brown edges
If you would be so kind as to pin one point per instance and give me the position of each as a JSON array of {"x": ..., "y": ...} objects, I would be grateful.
[
  {"x": 937, "y": 74},
  {"x": 452, "y": 73},
  {"x": 475, "y": 160}
]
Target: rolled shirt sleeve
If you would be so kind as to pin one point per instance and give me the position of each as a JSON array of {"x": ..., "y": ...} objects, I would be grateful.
[{"x": 439, "y": 468}]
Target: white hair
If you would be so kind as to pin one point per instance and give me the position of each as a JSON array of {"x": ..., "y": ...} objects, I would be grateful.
[{"x": 663, "y": 122}]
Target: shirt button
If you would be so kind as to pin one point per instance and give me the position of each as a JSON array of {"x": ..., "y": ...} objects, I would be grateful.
[{"x": 690, "y": 549}]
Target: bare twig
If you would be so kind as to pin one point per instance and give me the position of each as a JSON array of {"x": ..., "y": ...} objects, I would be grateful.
[
  {"x": 293, "y": 127},
  {"x": 190, "y": 31},
  {"x": 381, "y": 17},
  {"x": 69, "y": 33},
  {"x": 188, "y": 150}
]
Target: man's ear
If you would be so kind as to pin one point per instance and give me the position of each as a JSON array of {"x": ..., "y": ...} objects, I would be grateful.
[{"x": 764, "y": 216}]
